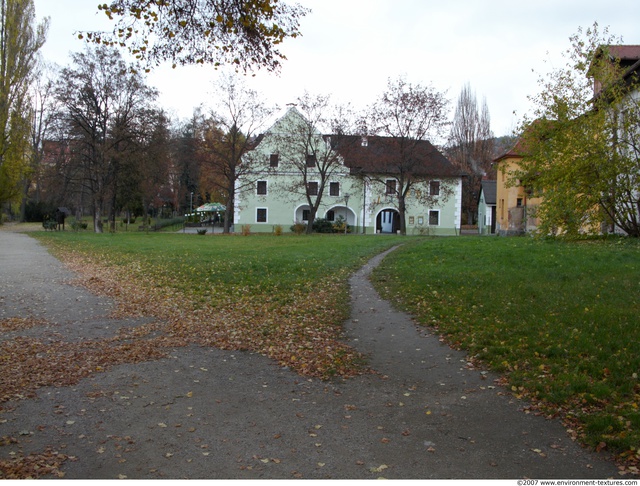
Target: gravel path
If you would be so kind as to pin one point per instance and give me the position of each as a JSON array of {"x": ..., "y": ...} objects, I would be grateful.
[{"x": 207, "y": 413}]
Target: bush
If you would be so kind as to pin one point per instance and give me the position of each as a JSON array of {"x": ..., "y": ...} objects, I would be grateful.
[
  {"x": 202, "y": 231},
  {"x": 322, "y": 225},
  {"x": 277, "y": 229},
  {"x": 246, "y": 230},
  {"x": 36, "y": 212},
  {"x": 339, "y": 226},
  {"x": 299, "y": 228},
  {"x": 77, "y": 225},
  {"x": 50, "y": 224}
]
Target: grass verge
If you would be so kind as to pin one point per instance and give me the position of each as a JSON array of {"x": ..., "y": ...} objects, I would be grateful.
[{"x": 558, "y": 319}]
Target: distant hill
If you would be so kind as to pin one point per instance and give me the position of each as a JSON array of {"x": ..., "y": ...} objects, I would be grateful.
[{"x": 501, "y": 145}]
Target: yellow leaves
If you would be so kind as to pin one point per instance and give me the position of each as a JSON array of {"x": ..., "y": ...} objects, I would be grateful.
[
  {"x": 539, "y": 452},
  {"x": 33, "y": 466}
]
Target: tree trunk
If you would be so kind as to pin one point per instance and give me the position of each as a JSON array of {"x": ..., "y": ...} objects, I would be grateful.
[
  {"x": 228, "y": 215},
  {"x": 97, "y": 212},
  {"x": 312, "y": 218},
  {"x": 402, "y": 210},
  {"x": 228, "y": 210},
  {"x": 97, "y": 218}
]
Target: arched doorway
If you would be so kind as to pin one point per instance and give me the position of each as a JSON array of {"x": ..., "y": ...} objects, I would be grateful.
[
  {"x": 388, "y": 221},
  {"x": 337, "y": 213}
]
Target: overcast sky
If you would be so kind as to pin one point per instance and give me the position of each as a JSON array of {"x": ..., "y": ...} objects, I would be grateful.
[{"x": 350, "y": 48}]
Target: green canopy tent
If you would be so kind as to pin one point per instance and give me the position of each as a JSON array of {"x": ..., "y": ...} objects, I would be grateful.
[{"x": 211, "y": 212}]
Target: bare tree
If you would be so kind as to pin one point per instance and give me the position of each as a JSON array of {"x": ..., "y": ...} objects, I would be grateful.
[
  {"x": 104, "y": 106},
  {"x": 470, "y": 146},
  {"x": 410, "y": 116},
  {"x": 228, "y": 136},
  {"x": 306, "y": 152},
  {"x": 42, "y": 117}
]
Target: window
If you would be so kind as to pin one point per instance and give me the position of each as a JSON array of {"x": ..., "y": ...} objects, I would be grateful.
[
  {"x": 411, "y": 220},
  {"x": 274, "y": 159},
  {"x": 305, "y": 214},
  {"x": 391, "y": 186},
  {"x": 262, "y": 188},
  {"x": 331, "y": 215},
  {"x": 334, "y": 188},
  {"x": 311, "y": 160},
  {"x": 261, "y": 215},
  {"x": 312, "y": 188},
  {"x": 434, "y": 218},
  {"x": 519, "y": 202},
  {"x": 434, "y": 188}
]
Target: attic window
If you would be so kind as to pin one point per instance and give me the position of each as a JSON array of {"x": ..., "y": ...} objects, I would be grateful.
[
  {"x": 434, "y": 188},
  {"x": 311, "y": 160},
  {"x": 273, "y": 160},
  {"x": 364, "y": 142}
]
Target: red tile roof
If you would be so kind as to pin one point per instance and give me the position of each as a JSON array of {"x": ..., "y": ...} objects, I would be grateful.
[{"x": 384, "y": 155}]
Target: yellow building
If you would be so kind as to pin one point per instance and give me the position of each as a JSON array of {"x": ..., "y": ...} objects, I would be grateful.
[{"x": 515, "y": 208}]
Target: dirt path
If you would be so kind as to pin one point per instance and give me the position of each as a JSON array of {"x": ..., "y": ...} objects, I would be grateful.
[{"x": 207, "y": 413}]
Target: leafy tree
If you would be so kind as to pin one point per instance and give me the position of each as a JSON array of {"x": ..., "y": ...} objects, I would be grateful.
[
  {"x": 243, "y": 33},
  {"x": 105, "y": 108},
  {"x": 229, "y": 135},
  {"x": 144, "y": 170},
  {"x": 470, "y": 147},
  {"x": 582, "y": 148},
  {"x": 411, "y": 115},
  {"x": 20, "y": 42}
]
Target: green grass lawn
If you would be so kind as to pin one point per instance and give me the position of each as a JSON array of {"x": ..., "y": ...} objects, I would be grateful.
[{"x": 559, "y": 320}]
